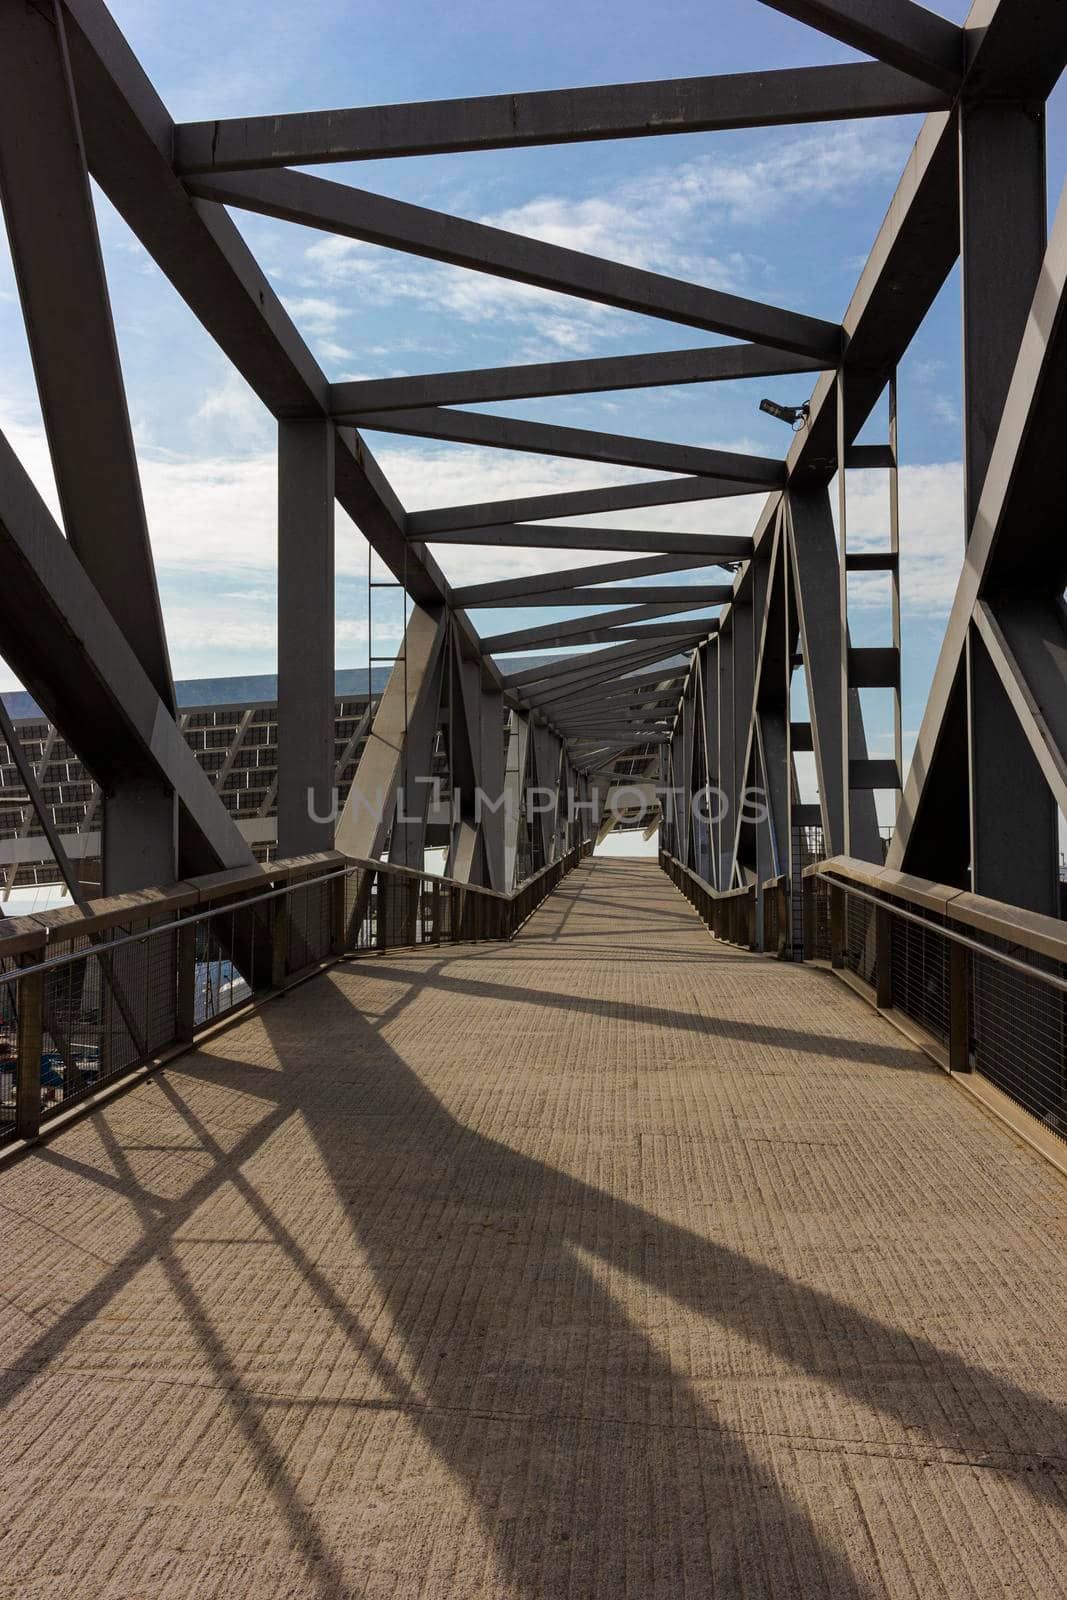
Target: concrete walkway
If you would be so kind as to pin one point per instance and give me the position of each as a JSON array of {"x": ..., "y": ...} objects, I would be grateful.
[{"x": 613, "y": 1262}]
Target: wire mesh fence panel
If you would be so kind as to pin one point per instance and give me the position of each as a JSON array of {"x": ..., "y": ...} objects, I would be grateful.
[
  {"x": 106, "y": 1011},
  {"x": 1018, "y": 1037},
  {"x": 233, "y": 960},
  {"x": 359, "y": 910},
  {"x": 771, "y": 920},
  {"x": 920, "y": 977},
  {"x": 816, "y": 919},
  {"x": 859, "y": 938},
  {"x": 9, "y": 1032},
  {"x": 309, "y": 924}
]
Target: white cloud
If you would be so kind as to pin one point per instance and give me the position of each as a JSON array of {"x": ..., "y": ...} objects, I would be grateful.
[
  {"x": 665, "y": 219},
  {"x": 213, "y": 524},
  {"x": 931, "y": 533}
]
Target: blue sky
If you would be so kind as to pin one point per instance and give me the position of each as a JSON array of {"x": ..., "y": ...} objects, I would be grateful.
[{"x": 783, "y": 215}]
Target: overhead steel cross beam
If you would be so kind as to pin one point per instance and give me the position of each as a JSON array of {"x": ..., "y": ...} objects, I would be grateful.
[
  {"x": 549, "y": 439},
  {"x": 1016, "y": 50},
  {"x": 358, "y": 214},
  {"x": 622, "y": 657},
  {"x": 129, "y": 139},
  {"x": 714, "y": 364},
  {"x": 553, "y": 116},
  {"x": 898, "y": 32},
  {"x": 533, "y": 586},
  {"x": 682, "y": 596},
  {"x": 711, "y": 548},
  {"x": 433, "y": 525},
  {"x": 580, "y": 629},
  {"x": 608, "y": 676}
]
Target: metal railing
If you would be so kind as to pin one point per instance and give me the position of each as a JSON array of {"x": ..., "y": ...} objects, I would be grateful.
[
  {"x": 731, "y": 914},
  {"x": 88, "y": 995},
  {"x": 981, "y": 984}
]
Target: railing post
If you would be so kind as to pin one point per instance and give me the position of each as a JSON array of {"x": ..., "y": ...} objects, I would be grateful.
[
  {"x": 338, "y": 918},
  {"x": 883, "y": 957},
  {"x": 30, "y": 1049},
  {"x": 381, "y": 930},
  {"x": 837, "y": 925},
  {"x": 411, "y": 921},
  {"x": 279, "y": 941},
  {"x": 435, "y": 910},
  {"x": 185, "y": 1002},
  {"x": 959, "y": 1008}
]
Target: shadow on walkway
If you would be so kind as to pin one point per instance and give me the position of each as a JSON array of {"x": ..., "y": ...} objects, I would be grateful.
[{"x": 593, "y": 1467}]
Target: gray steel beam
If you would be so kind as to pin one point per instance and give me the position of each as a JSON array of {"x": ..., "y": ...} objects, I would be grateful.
[
  {"x": 598, "y": 374},
  {"x": 514, "y": 591},
  {"x": 306, "y": 478},
  {"x": 1003, "y": 229},
  {"x": 1016, "y": 49},
  {"x": 615, "y": 697},
  {"x": 41, "y": 810},
  {"x": 816, "y": 595},
  {"x": 723, "y": 831},
  {"x": 684, "y": 633},
  {"x": 129, "y": 137},
  {"x": 682, "y": 595},
  {"x": 518, "y": 743},
  {"x": 369, "y": 808},
  {"x": 1003, "y": 233},
  {"x": 60, "y": 274},
  {"x": 1026, "y": 641},
  {"x": 407, "y": 840},
  {"x": 617, "y": 655},
  {"x": 583, "y": 444},
  {"x": 1013, "y": 817},
  {"x": 611, "y": 673},
  {"x": 90, "y": 684},
  {"x": 898, "y": 32},
  {"x": 714, "y": 547},
  {"x": 492, "y": 780},
  {"x": 553, "y": 116},
  {"x": 1016, "y": 549},
  {"x": 433, "y": 525},
  {"x": 58, "y": 266},
  {"x": 576, "y": 629},
  {"x": 357, "y": 214}
]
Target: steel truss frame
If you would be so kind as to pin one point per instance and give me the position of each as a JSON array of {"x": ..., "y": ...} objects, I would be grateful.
[{"x": 693, "y": 680}]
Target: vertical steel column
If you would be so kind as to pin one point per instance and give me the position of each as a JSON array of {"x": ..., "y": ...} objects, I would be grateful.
[
  {"x": 725, "y": 829},
  {"x": 59, "y": 269},
  {"x": 514, "y": 782},
  {"x": 744, "y": 693},
  {"x": 1013, "y": 816},
  {"x": 305, "y": 637},
  {"x": 711, "y": 743},
  {"x": 867, "y": 667},
  {"x": 492, "y": 784}
]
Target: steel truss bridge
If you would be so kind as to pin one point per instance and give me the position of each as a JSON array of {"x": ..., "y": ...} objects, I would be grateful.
[{"x": 543, "y": 1244}]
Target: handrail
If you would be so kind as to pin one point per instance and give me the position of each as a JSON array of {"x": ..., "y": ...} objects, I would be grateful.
[
  {"x": 947, "y": 931},
  {"x": 979, "y": 985},
  {"x": 135, "y": 981},
  {"x": 731, "y": 914},
  {"x": 19, "y": 935},
  {"x": 1044, "y": 935}
]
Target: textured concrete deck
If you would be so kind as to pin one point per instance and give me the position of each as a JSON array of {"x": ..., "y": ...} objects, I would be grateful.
[{"x": 612, "y": 1262}]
